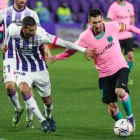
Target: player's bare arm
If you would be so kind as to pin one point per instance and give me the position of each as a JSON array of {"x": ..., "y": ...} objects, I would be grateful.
[
  {"x": 5, "y": 48},
  {"x": 47, "y": 50},
  {"x": 53, "y": 58},
  {"x": 132, "y": 20}
]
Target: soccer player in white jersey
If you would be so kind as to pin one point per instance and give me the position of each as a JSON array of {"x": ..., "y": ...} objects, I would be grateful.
[
  {"x": 32, "y": 68},
  {"x": 110, "y": 63},
  {"x": 15, "y": 12}
]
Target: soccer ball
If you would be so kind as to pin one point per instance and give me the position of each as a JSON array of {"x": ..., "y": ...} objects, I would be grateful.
[{"x": 123, "y": 128}]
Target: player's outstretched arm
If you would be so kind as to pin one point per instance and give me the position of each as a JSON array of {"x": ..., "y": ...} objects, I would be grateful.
[
  {"x": 130, "y": 28},
  {"x": 47, "y": 50},
  {"x": 70, "y": 45},
  {"x": 53, "y": 58}
]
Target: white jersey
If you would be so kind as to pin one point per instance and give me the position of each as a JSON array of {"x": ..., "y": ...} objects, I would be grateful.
[
  {"x": 11, "y": 14},
  {"x": 30, "y": 52}
]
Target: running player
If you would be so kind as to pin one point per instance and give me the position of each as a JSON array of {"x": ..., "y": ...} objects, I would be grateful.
[
  {"x": 123, "y": 11},
  {"x": 110, "y": 63},
  {"x": 32, "y": 69},
  {"x": 16, "y": 12}
]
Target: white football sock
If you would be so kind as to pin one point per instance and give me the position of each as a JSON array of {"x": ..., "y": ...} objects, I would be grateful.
[
  {"x": 32, "y": 105},
  {"x": 29, "y": 114},
  {"x": 14, "y": 100},
  {"x": 48, "y": 111}
]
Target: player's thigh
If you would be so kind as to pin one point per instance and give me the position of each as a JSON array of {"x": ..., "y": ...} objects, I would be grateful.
[
  {"x": 107, "y": 88},
  {"x": 42, "y": 83},
  {"x": 26, "y": 77},
  {"x": 9, "y": 68},
  {"x": 128, "y": 45},
  {"x": 121, "y": 79}
]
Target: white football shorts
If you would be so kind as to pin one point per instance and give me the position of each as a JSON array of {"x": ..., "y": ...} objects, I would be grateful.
[
  {"x": 39, "y": 79},
  {"x": 9, "y": 70}
]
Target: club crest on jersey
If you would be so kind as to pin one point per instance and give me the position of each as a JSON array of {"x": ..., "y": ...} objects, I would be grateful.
[
  {"x": 17, "y": 20},
  {"x": 110, "y": 39},
  {"x": 34, "y": 42}
]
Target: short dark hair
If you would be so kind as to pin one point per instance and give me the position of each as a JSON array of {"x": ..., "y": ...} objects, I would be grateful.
[
  {"x": 94, "y": 13},
  {"x": 28, "y": 21}
]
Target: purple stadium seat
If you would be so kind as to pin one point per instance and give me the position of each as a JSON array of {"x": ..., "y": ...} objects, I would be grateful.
[
  {"x": 45, "y": 4},
  {"x": 52, "y": 16},
  {"x": 83, "y": 17},
  {"x": 75, "y": 7},
  {"x": 105, "y": 6},
  {"x": 85, "y": 6},
  {"x": 95, "y": 5},
  {"x": 54, "y": 6},
  {"x": 136, "y": 7},
  {"x": 32, "y": 4},
  {"x": 136, "y": 18}
]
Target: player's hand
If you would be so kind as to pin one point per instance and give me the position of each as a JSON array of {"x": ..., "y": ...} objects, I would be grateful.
[
  {"x": 53, "y": 58},
  {"x": 5, "y": 48},
  {"x": 49, "y": 54},
  {"x": 91, "y": 53}
]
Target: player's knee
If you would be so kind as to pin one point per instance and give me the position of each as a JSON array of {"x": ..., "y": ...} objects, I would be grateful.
[
  {"x": 47, "y": 100},
  {"x": 120, "y": 92},
  {"x": 24, "y": 90},
  {"x": 10, "y": 89},
  {"x": 112, "y": 111}
]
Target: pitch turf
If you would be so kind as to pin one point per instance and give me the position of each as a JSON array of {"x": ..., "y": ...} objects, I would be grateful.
[{"x": 78, "y": 109}]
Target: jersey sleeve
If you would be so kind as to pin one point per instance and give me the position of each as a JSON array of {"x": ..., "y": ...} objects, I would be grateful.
[
  {"x": 111, "y": 13},
  {"x": 66, "y": 54},
  {"x": 48, "y": 38},
  {"x": 132, "y": 13},
  {"x": 1, "y": 17},
  {"x": 82, "y": 41},
  {"x": 118, "y": 26},
  {"x": 36, "y": 19}
]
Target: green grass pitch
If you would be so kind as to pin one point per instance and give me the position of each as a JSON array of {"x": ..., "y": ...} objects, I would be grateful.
[{"x": 78, "y": 108}]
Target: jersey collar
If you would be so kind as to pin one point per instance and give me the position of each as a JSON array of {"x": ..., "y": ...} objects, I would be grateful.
[{"x": 20, "y": 10}]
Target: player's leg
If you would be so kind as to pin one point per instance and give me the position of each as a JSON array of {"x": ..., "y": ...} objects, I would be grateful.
[
  {"x": 24, "y": 83},
  {"x": 109, "y": 97},
  {"x": 129, "y": 51},
  {"x": 122, "y": 92},
  {"x": 29, "y": 114},
  {"x": 9, "y": 80},
  {"x": 114, "y": 111},
  {"x": 44, "y": 88}
]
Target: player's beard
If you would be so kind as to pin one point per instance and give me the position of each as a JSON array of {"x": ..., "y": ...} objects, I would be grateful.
[
  {"x": 21, "y": 6},
  {"x": 27, "y": 35},
  {"x": 98, "y": 31},
  {"x": 121, "y": 0}
]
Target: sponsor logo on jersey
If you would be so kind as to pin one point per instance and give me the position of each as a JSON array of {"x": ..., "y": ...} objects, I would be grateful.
[
  {"x": 128, "y": 10},
  {"x": 110, "y": 39},
  {"x": 26, "y": 51},
  {"x": 106, "y": 48}
]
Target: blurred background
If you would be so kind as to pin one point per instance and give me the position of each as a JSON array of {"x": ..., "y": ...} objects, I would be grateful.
[{"x": 68, "y": 18}]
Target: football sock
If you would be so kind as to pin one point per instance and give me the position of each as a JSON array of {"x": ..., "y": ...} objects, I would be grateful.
[
  {"x": 29, "y": 114},
  {"x": 48, "y": 110},
  {"x": 32, "y": 105},
  {"x": 126, "y": 103},
  {"x": 117, "y": 115},
  {"x": 130, "y": 64},
  {"x": 14, "y": 99}
]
